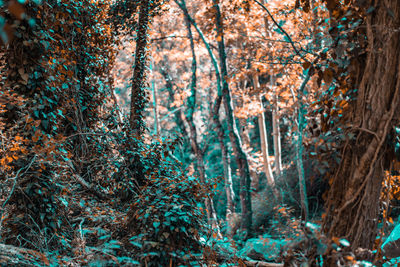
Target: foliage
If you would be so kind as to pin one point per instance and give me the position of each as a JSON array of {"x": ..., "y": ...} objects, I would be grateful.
[
  {"x": 79, "y": 186},
  {"x": 165, "y": 224}
]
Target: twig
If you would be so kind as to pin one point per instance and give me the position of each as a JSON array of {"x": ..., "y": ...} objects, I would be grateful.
[
  {"x": 166, "y": 37},
  {"x": 282, "y": 30},
  {"x": 15, "y": 183}
]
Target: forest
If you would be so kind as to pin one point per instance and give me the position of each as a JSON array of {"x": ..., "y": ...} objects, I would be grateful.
[{"x": 200, "y": 133}]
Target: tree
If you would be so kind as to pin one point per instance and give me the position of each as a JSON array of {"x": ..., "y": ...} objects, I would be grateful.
[
  {"x": 353, "y": 201},
  {"x": 138, "y": 94},
  {"x": 240, "y": 155}
]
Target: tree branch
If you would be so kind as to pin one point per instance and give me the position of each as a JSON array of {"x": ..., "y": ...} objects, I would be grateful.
[{"x": 282, "y": 30}]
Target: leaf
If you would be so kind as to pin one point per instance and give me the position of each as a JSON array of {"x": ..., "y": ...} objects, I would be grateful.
[
  {"x": 344, "y": 242},
  {"x": 306, "y": 65},
  {"x": 328, "y": 76},
  {"x": 136, "y": 244},
  {"x": 104, "y": 237},
  {"x": 336, "y": 240},
  {"x": 16, "y": 9},
  {"x": 45, "y": 260},
  {"x": 23, "y": 74},
  {"x": 370, "y": 9},
  {"x": 390, "y": 12}
]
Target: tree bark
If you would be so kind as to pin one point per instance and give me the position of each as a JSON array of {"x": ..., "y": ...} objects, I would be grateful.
[
  {"x": 353, "y": 200},
  {"x": 241, "y": 157},
  {"x": 138, "y": 95}
]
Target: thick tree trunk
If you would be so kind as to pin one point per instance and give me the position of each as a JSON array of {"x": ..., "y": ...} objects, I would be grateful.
[
  {"x": 138, "y": 95},
  {"x": 241, "y": 157},
  {"x": 353, "y": 201}
]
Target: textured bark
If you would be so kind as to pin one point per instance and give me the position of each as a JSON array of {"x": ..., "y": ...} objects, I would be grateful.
[
  {"x": 138, "y": 95},
  {"x": 241, "y": 157},
  {"x": 353, "y": 201}
]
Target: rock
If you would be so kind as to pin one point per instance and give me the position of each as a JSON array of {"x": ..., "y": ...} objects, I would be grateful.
[{"x": 262, "y": 248}]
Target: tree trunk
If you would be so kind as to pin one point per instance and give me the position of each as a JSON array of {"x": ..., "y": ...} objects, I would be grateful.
[
  {"x": 275, "y": 111},
  {"x": 138, "y": 95},
  {"x": 155, "y": 106},
  {"x": 299, "y": 149},
  {"x": 276, "y": 130},
  {"x": 353, "y": 200},
  {"x": 244, "y": 134},
  {"x": 241, "y": 157},
  {"x": 191, "y": 105},
  {"x": 226, "y": 161},
  {"x": 264, "y": 142}
]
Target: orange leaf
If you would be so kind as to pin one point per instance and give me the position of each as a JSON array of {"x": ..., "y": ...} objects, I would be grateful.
[
  {"x": 336, "y": 240},
  {"x": 16, "y": 9}
]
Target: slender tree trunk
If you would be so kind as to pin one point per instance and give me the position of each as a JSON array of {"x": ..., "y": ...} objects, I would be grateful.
[
  {"x": 138, "y": 95},
  {"x": 264, "y": 143},
  {"x": 353, "y": 200},
  {"x": 276, "y": 129},
  {"x": 244, "y": 134},
  {"x": 241, "y": 157},
  {"x": 275, "y": 112},
  {"x": 155, "y": 106},
  {"x": 299, "y": 149},
  {"x": 226, "y": 161},
  {"x": 191, "y": 105},
  {"x": 230, "y": 209}
]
